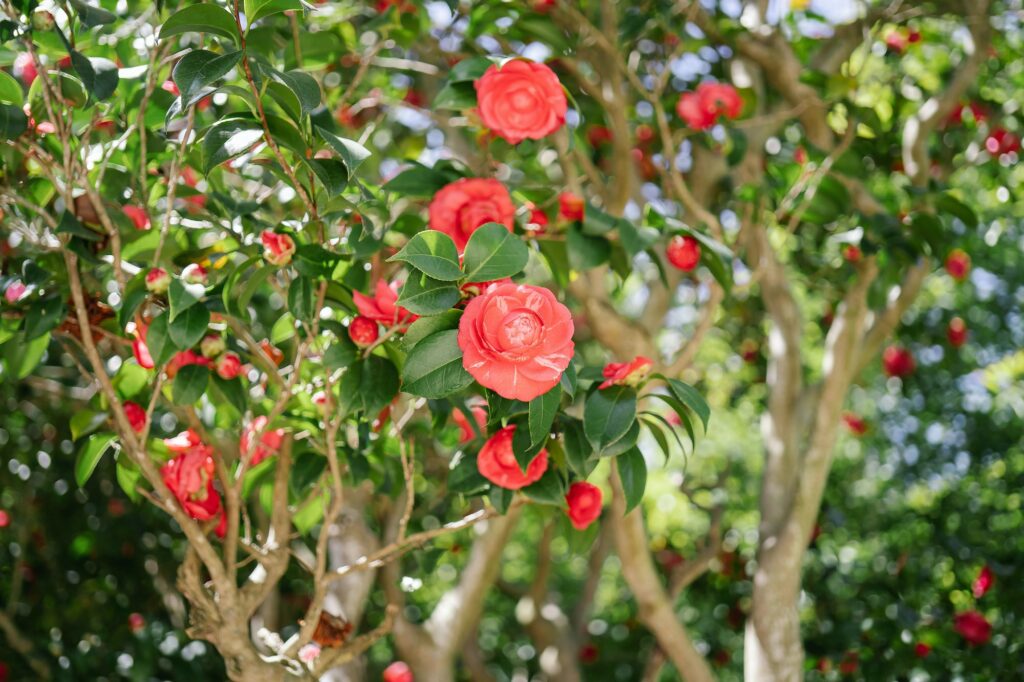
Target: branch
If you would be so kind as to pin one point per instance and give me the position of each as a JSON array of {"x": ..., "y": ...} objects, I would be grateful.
[{"x": 23, "y": 646}]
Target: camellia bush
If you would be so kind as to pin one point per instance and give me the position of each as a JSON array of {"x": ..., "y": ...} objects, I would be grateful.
[{"x": 340, "y": 287}]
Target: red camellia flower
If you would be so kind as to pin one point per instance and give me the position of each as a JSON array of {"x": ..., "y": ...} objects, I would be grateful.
[
  {"x": 956, "y": 117},
  {"x": 855, "y": 423},
  {"x": 521, "y": 100},
  {"x": 498, "y": 464},
  {"x": 397, "y": 672},
  {"x": 460, "y": 207},
  {"x": 270, "y": 440},
  {"x": 973, "y": 627},
  {"x": 171, "y": 87},
  {"x": 383, "y": 307},
  {"x": 25, "y": 68},
  {"x": 14, "y": 291},
  {"x": 584, "y": 501},
  {"x": 683, "y": 251},
  {"x": 136, "y": 416},
  {"x": 278, "y": 249},
  {"x": 228, "y": 366},
  {"x": 139, "y": 217},
  {"x": 598, "y": 135},
  {"x": 158, "y": 280},
  {"x": 571, "y": 206},
  {"x": 136, "y": 622},
  {"x": 5, "y": 518},
  {"x": 190, "y": 476},
  {"x": 921, "y": 650},
  {"x": 516, "y": 340},
  {"x": 898, "y": 361},
  {"x": 957, "y": 332},
  {"x": 983, "y": 583},
  {"x": 702, "y": 108},
  {"x": 626, "y": 373},
  {"x": 363, "y": 331},
  {"x": 852, "y": 253},
  {"x": 142, "y": 355},
  {"x": 958, "y": 264},
  {"x": 538, "y": 219},
  {"x": 183, "y": 359},
  {"x": 1002, "y": 141},
  {"x": 466, "y": 431}
]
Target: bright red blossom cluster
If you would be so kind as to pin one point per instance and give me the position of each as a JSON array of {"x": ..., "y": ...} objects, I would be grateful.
[
  {"x": 189, "y": 476},
  {"x": 703, "y": 107}
]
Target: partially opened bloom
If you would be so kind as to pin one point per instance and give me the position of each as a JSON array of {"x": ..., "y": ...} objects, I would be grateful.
[
  {"x": 571, "y": 206},
  {"x": 983, "y": 583},
  {"x": 584, "y": 504},
  {"x": 190, "y": 476},
  {"x": 973, "y": 627},
  {"x": 521, "y": 100},
  {"x": 466, "y": 430},
  {"x": 460, "y": 207},
  {"x": 383, "y": 307},
  {"x": 136, "y": 416},
  {"x": 278, "y": 248},
  {"x": 516, "y": 340},
  {"x": 626, "y": 373},
  {"x": 138, "y": 216},
  {"x": 268, "y": 445},
  {"x": 158, "y": 280},
  {"x": 497, "y": 463}
]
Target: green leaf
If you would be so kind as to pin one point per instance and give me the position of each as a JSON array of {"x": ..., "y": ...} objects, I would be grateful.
[
  {"x": 10, "y": 90},
  {"x": 352, "y": 153},
  {"x": 586, "y": 252},
  {"x": 947, "y": 203},
  {"x": 13, "y": 121},
  {"x": 608, "y": 415},
  {"x": 199, "y": 69},
  {"x": 99, "y": 75},
  {"x": 425, "y": 326},
  {"x": 201, "y": 18},
  {"x": 542, "y": 413},
  {"x": 304, "y": 86},
  {"x": 493, "y": 253},
  {"x": 417, "y": 181},
  {"x": 341, "y": 353},
  {"x": 550, "y": 489},
  {"x": 232, "y": 390},
  {"x": 227, "y": 139},
  {"x": 300, "y": 298},
  {"x": 469, "y": 69},
  {"x": 43, "y": 316},
  {"x": 424, "y": 295},
  {"x": 134, "y": 294},
  {"x": 434, "y": 368},
  {"x": 690, "y": 397},
  {"x": 187, "y": 329},
  {"x": 633, "y": 473},
  {"x": 577, "y": 448},
  {"x": 313, "y": 260},
  {"x": 190, "y": 384},
  {"x": 158, "y": 340},
  {"x": 85, "y": 422},
  {"x": 368, "y": 385},
  {"x": 91, "y": 15},
  {"x": 620, "y": 445},
  {"x": 21, "y": 357},
  {"x": 130, "y": 379},
  {"x": 331, "y": 173},
  {"x": 456, "y": 96},
  {"x": 183, "y": 296},
  {"x": 258, "y": 9},
  {"x": 128, "y": 476},
  {"x": 432, "y": 253},
  {"x": 90, "y": 454}
]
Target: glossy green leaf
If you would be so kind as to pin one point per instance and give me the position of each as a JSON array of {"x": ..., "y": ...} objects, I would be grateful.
[
  {"x": 188, "y": 328},
  {"x": 99, "y": 75},
  {"x": 608, "y": 415},
  {"x": 90, "y": 455},
  {"x": 227, "y": 139},
  {"x": 434, "y": 368},
  {"x": 542, "y": 413},
  {"x": 633, "y": 473},
  {"x": 199, "y": 69},
  {"x": 425, "y": 295},
  {"x": 432, "y": 253},
  {"x": 493, "y": 253},
  {"x": 189, "y": 384},
  {"x": 201, "y": 18}
]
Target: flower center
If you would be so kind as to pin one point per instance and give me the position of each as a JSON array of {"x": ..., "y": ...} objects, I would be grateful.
[{"x": 520, "y": 328}]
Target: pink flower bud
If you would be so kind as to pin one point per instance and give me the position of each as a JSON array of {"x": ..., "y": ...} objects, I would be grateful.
[
  {"x": 278, "y": 249},
  {"x": 157, "y": 280},
  {"x": 194, "y": 274},
  {"x": 212, "y": 345}
]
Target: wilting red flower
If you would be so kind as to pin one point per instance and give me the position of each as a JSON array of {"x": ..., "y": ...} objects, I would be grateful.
[
  {"x": 136, "y": 416},
  {"x": 516, "y": 339},
  {"x": 460, "y": 207},
  {"x": 584, "y": 504},
  {"x": 855, "y": 423},
  {"x": 958, "y": 264},
  {"x": 702, "y": 108},
  {"x": 683, "y": 251},
  {"x": 521, "y": 100},
  {"x": 228, "y": 366},
  {"x": 190, "y": 476},
  {"x": 183, "y": 359},
  {"x": 383, "y": 307},
  {"x": 466, "y": 431},
  {"x": 139, "y": 217},
  {"x": 14, "y": 291},
  {"x": 626, "y": 373},
  {"x": 571, "y": 206},
  {"x": 957, "y": 332},
  {"x": 397, "y": 672},
  {"x": 363, "y": 331},
  {"x": 983, "y": 583},
  {"x": 497, "y": 463},
  {"x": 898, "y": 361},
  {"x": 157, "y": 280},
  {"x": 921, "y": 650},
  {"x": 973, "y": 627},
  {"x": 1002, "y": 141},
  {"x": 278, "y": 248},
  {"x": 270, "y": 440}
]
